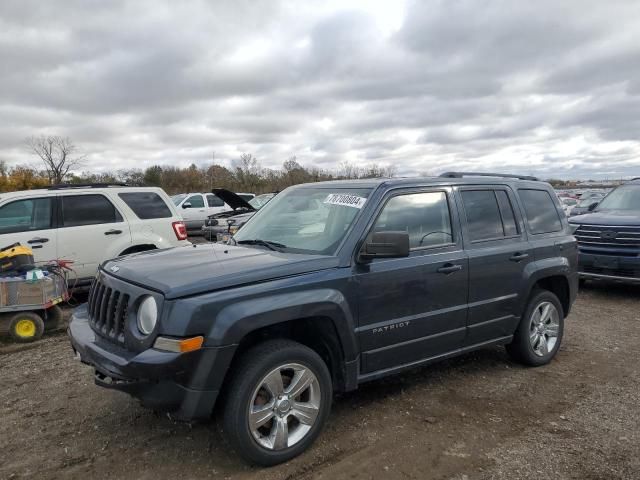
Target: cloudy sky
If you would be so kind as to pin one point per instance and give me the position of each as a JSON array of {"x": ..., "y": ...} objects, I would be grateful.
[{"x": 544, "y": 87}]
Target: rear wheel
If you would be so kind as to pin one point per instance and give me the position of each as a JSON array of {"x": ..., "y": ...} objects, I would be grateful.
[
  {"x": 539, "y": 334},
  {"x": 26, "y": 327},
  {"x": 278, "y": 401}
]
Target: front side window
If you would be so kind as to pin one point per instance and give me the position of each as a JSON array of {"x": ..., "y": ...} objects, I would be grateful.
[
  {"x": 306, "y": 220},
  {"x": 79, "y": 210},
  {"x": 146, "y": 205},
  {"x": 196, "y": 201},
  {"x": 424, "y": 216},
  {"x": 26, "y": 215},
  {"x": 540, "y": 211}
]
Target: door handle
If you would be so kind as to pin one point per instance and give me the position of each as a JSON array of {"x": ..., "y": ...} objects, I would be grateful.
[
  {"x": 516, "y": 257},
  {"x": 448, "y": 268},
  {"x": 113, "y": 232},
  {"x": 37, "y": 240}
]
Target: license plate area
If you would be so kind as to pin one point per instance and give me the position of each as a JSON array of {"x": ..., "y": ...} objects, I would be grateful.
[{"x": 609, "y": 263}]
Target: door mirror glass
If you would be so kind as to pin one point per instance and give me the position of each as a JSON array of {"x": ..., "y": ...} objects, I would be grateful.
[
  {"x": 387, "y": 244},
  {"x": 186, "y": 205}
]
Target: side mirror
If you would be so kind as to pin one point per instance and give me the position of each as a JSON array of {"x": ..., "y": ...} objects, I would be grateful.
[
  {"x": 592, "y": 207},
  {"x": 186, "y": 205},
  {"x": 386, "y": 245}
]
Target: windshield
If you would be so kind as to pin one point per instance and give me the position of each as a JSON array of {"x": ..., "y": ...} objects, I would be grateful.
[
  {"x": 176, "y": 199},
  {"x": 569, "y": 201},
  {"x": 259, "y": 201},
  {"x": 306, "y": 220},
  {"x": 622, "y": 198},
  {"x": 588, "y": 201}
]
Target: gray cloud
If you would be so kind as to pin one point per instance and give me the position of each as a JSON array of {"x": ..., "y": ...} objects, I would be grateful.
[{"x": 551, "y": 88}]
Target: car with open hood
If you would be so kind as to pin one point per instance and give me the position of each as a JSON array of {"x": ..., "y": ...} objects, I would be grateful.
[{"x": 219, "y": 227}]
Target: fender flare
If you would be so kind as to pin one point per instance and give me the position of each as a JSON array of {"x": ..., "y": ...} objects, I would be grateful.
[{"x": 239, "y": 319}]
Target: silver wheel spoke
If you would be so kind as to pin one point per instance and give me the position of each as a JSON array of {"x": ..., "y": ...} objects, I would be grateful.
[
  {"x": 535, "y": 318},
  {"x": 300, "y": 382},
  {"x": 273, "y": 382},
  {"x": 305, "y": 412},
  {"x": 280, "y": 434},
  {"x": 544, "y": 315},
  {"x": 533, "y": 337},
  {"x": 552, "y": 330},
  {"x": 261, "y": 415},
  {"x": 543, "y": 348}
]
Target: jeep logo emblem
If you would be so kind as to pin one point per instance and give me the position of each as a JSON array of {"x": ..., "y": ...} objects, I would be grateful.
[
  {"x": 608, "y": 235},
  {"x": 114, "y": 269}
]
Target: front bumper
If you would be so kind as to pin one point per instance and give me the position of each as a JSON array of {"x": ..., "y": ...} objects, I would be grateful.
[
  {"x": 186, "y": 384},
  {"x": 609, "y": 267}
]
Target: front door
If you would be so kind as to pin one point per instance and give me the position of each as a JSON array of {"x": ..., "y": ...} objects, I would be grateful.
[
  {"x": 414, "y": 308},
  {"x": 193, "y": 211}
]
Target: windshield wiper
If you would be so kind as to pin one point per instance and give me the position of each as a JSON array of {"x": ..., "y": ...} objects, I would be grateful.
[{"x": 275, "y": 246}]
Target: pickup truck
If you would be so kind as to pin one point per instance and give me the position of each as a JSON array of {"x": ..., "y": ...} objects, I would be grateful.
[{"x": 328, "y": 286}]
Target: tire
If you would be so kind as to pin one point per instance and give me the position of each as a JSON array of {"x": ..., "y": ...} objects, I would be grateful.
[
  {"x": 26, "y": 327},
  {"x": 257, "y": 443},
  {"x": 582, "y": 282},
  {"x": 532, "y": 336},
  {"x": 54, "y": 318}
]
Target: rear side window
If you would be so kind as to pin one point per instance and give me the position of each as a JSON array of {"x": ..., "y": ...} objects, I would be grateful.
[
  {"x": 146, "y": 205},
  {"x": 214, "y": 201},
  {"x": 424, "y": 216},
  {"x": 489, "y": 214},
  {"x": 540, "y": 210},
  {"x": 483, "y": 214},
  {"x": 78, "y": 210},
  {"x": 26, "y": 215}
]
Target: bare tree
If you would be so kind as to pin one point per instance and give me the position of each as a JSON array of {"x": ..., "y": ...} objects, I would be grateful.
[{"x": 58, "y": 154}]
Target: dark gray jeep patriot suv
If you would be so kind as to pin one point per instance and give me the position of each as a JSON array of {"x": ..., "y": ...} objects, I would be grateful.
[{"x": 328, "y": 286}]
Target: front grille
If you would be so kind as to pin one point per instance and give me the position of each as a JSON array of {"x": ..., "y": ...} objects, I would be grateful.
[
  {"x": 609, "y": 240},
  {"x": 107, "y": 311}
]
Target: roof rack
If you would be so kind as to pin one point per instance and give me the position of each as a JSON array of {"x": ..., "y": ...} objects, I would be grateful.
[
  {"x": 478, "y": 174},
  {"x": 64, "y": 186}
]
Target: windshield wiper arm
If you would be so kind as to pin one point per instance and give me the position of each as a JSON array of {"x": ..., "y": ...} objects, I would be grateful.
[{"x": 275, "y": 246}]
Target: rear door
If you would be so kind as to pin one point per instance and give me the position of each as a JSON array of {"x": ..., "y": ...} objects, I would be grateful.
[
  {"x": 194, "y": 211},
  {"x": 91, "y": 230},
  {"x": 414, "y": 308},
  {"x": 498, "y": 250},
  {"x": 30, "y": 222}
]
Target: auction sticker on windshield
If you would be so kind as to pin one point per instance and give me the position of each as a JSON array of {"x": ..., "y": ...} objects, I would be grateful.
[{"x": 345, "y": 200}]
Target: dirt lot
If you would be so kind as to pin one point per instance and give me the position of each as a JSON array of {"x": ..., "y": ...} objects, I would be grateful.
[{"x": 479, "y": 416}]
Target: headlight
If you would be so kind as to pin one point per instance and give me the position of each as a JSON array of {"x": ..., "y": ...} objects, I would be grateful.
[
  {"x": 573, "y": 227},
  {"x": 147, "y": 315}
]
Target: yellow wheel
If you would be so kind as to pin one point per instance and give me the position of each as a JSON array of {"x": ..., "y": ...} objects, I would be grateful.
[{"x": 26, "y": 327}]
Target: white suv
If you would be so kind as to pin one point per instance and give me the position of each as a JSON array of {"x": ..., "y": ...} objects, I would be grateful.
[{"x": 90, "y": 223}]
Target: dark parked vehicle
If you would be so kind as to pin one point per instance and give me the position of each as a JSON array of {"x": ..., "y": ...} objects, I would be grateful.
[
  {"x": 609, "y": 236},
  {"x": 331, "y": 285},
  {"x": 584, "y": 206},
  {"x": 220, "y": 227}
]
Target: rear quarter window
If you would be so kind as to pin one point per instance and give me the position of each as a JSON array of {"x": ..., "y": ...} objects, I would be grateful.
[
  {"x": 540, "y": 211},
  {"x": 146, "y": 205}
]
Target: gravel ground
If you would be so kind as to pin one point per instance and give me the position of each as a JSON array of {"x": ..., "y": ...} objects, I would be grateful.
[{"x": 478, "y": 416}]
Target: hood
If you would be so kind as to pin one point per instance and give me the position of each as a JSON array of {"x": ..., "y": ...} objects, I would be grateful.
[
  {"x": 622, "y": 218},
  {"x": 231, "y": 199},
  {"x": 183, "y": 271}
]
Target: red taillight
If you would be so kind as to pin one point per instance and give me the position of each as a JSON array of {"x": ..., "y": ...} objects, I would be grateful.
[{"x": 180, "y": 229}]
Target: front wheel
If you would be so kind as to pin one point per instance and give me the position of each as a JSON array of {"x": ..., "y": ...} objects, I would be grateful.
[
  {"x": 539, "y": 333},
  {"x": 278, "y": 401}
]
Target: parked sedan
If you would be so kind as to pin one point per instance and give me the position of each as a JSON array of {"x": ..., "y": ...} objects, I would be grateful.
[{"x": 220, "y": 226}]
